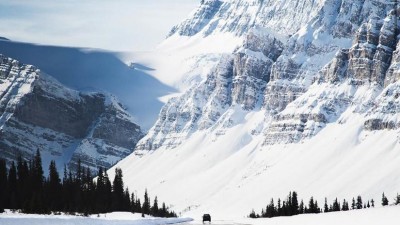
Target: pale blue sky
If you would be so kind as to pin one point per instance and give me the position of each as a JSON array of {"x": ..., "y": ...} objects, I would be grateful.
[{"x": 122, "y": 25}]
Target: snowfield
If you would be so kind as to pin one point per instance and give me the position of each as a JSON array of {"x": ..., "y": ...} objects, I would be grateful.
[
  {"x": 115, "y": 218},
  {"x": 228, "y": 175}
]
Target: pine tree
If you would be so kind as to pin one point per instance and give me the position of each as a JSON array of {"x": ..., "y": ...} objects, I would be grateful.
[
  {"x": 154, "y": 208},
  {"x": 279, "y": 207},
  {"x": 345, "y": 205},
  {"x": 133, "y": 203},
  {"x": 253, "y": 214},
  {"x": 301, "y": 207},
  {"x": 311, "y": 206},
  {"x": 37, "y": 172},
  {"x": 163, "y": 210},
  {"x": 316, "y": 209},
  {"x": 359, "y": 203},
  {"x": 101, "y": 197},
  {"x": 270, "y": 210},
  {"x": 336, "y": 205},
  {"x": 326, "y": 209},
  {"x": 294, "y": 204},
  {"x": 3, "y": 184},
  {"x": 353, "y": 204},
  {"x": 107, "y": 192},
  {"x": 138, "y": 206},
  {"x": 12, "y": 186},
  {"x": 23, "y": 184},
  {"x": 127, "y": 200},
  {"x": 397, "y": 200},
  {"x": 146, "y": 204},
  {"x": 118, "y": 191},
  {"x": 54, "y": 188},
  {"x": 385, "y": 201}
]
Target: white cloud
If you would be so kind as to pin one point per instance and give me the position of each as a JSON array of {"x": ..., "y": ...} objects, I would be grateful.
[{"x": 115, "y": 25}]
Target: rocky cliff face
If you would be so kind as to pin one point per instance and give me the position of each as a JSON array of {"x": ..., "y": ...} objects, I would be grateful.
[
  {"x": 37, "y": 112},
  {"x": 304, "y": 63}
]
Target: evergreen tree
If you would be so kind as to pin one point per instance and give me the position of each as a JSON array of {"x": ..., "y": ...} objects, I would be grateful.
[
  {"x": 163, "y": 210},
  {"x": 294, "y": 204},
  {"x": 3, "y": 185},
  {"x": 127, "y": 200},
  {"x": 37, "y": 172},
  {"x": 118, "y": 191},
  {"x": 353, "y": 204},
  {"x": 317, "y": 209},
  {"x": 311, "y": 206},
  {"x": 284, "y": 209},
  {"x": 101, "y": 192},
  {"x": 154, "y": 208},
  {"x": 385, "y": 201},
  {"x": 146, "y": 204},
  {"x": 345, "y": 205},
  {"x": 54, "y": 188},
  {"x": 301, "y": 207},
  {"x": 23, "y": 184},
  {"x": 108, "y": 191},
  {"x": 279, "y": 207},
  {"x": 12, "y": 187},
  {"x": 133, "y": 203},
  {"x": 368, "y": 205},
  {"x": 397, "y": 200},
  {"x": 359, "y": 203},
  {"x": 336, "y": 206},
  {"x": 270, "y": 210},
  {"x": 138, "y": 205},
  {"x": 253, "y": 214},
  {"x": 326, "y": 209},
  {"x": 372, "y": 203}
]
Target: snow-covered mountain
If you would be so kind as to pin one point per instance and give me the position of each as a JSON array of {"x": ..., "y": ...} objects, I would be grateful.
[
  {"x": 38, "y": 112},
  {"x": 277, "y": 96},
  {"x": 96, "y": 70}
]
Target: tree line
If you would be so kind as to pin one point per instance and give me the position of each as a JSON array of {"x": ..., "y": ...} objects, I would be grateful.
[
  {"x": 291, "y": 206},
  {"x": 24, "y": 187}
]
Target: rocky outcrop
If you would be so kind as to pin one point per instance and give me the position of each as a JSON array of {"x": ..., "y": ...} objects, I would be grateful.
[
  {"x": 239, "y": 16},
  {"x": 37, "y": 112},
  {"x": 303, "y": 63}
]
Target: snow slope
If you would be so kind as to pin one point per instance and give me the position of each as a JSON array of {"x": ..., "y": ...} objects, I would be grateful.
[{"x": 308, "y": 108}]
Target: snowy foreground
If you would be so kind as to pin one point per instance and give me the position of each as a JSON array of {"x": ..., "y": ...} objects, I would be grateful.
[
  {"x": 115, "y": 218},
  {"x": 373, "y": 216}
]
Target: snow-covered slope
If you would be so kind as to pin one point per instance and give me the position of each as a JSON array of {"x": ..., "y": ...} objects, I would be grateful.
[
  {"x": 38, "y": 112},
  {"x": 303, "y": 96}
]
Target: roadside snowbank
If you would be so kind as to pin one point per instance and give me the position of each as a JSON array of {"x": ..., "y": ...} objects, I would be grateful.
[{"x": 115, "y": 218}]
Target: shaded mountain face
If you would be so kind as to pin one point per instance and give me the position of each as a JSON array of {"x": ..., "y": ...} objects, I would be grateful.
[
  {"x": 96, "y": 70},
  {"x": 38, "y": 112}
]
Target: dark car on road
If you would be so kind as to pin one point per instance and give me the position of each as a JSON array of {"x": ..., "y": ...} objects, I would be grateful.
[{"x": 206, "y": 217}]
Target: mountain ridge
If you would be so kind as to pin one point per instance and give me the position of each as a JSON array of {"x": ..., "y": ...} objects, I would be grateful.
[
  {"x": 306, "y": 108},
  {"x": 38, "y": 112}
]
